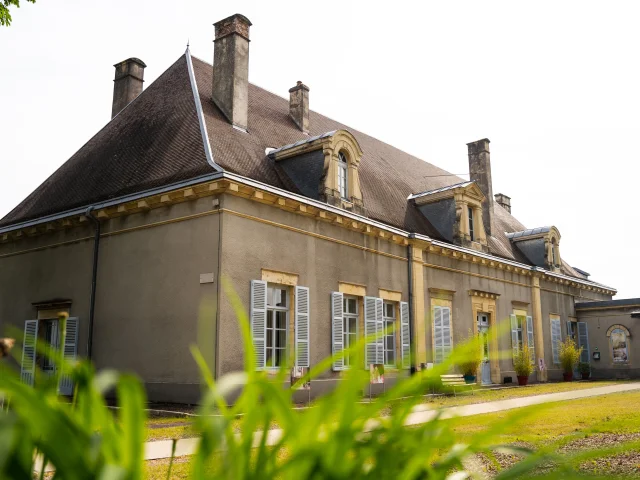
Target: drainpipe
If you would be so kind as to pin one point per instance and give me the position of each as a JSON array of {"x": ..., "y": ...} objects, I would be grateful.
[
  {"x": 412, "y": 346},
  {"x": 94, "y": 277}
]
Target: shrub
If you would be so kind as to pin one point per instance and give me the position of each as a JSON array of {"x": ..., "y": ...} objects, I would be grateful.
[
  {"x": 569, "y": 355},
  {"x": 522, "y": 362},
  {"x": 584, "y": 367},
  {"x": 471, "y": 354}
]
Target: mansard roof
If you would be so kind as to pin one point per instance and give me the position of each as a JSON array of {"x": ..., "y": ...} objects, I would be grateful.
[{"x": 157, "y": 141}]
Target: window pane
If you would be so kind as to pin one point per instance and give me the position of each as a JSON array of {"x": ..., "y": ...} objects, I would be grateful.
[
  {"x": 269, "y": 360},
  {"x": 390, "y": 341},
  {"x": 269, "y": 318},
  {"x": 281, "y": 319},
  {"x": 279, "y": 357},
  {"x": 269, "y": 338},
  {"x": 353, "y": 323},
  {"x": 281, "y": 297},
  {"x": 352, "y": 305},
  {"x": 281, "y": 338},
  {"x": 269, "y": 295}
]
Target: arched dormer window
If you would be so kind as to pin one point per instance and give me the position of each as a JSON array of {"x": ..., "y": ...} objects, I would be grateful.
[{"x": 343, "y": 167}]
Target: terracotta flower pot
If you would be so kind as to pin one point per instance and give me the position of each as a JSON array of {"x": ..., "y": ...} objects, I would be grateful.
[
  {"x": 523, "y": 380},
  {"x": 568, "y": 377}
]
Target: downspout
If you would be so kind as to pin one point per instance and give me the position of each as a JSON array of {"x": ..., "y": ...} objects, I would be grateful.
[
  {"x": 412, "y": 345},
  {"x": 94, "y": 276}
]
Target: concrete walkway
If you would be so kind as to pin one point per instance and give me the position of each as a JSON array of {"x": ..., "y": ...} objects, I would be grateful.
[{"x": 188, "y": 446}]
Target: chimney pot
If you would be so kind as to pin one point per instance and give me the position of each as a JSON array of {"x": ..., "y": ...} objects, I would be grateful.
[
  {"x": 231, "y": 69},
  {"x": 299, "y": 106},
  {"x": 503, "y": 201},
  {"x": 127, "y": 84},
  {"x": 480, "y": 173}
]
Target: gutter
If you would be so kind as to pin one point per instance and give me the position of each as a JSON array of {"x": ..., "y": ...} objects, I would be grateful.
[
  {"x": 412, "y": 344},
  {"x": 94, "y": 278}
]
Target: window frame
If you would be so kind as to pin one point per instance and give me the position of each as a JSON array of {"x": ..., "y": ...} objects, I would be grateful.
[
  {"x": 471, "y": 223},
  {"x": 343, "y": 176},
  {"x": 347, "y": 316},
  {"x": 270, "y": 351},
  {"x": 386, "y": 320}
]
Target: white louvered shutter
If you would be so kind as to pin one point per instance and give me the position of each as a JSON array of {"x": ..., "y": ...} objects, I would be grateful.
[
  {"x": 259, "y": 320},
  {"x": 302, "y": 327},
  {"x": 530, "y": 340},
  {"x": 583, "y": 341},
  {"x": 370, "y": 331},
  {"x": 437, "y": 335},
  {"x": 70, "y": 351},
  {"x": 514, "y": 335},
  {"x": 446, "y": 332},
  {"x": 337, "y": 329},
  {"x": 405, "y": 345},
  {"x": 556, "y": 338},
  {"x": 28, "y": 365},
  {"x": 381, "y": 331}
]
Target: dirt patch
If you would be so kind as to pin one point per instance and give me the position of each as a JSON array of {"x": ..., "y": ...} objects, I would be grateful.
[
  {"x": 626, "y": 464},
  {"x": 598, "y": 440},
  {"x": 503, "y": 459}
]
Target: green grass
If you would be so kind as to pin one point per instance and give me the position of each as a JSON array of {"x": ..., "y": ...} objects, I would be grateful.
[{"x": 480, "y": 396}]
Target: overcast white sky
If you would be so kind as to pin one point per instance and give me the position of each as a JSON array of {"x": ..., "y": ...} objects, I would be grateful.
[{"x": 553, "y": 85}]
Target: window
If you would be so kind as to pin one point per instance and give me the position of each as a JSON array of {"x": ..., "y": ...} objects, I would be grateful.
[
  {"x": 350, "y": 327},
  {"x": 342, "y": 175},
  {"x": 619, "y": 346},
  {"x": 553, "y": 252},
  {"x": 516, "y": 332},
  {"x": 389, "y": 325},
  {"x": 50, "y": 331},
  {"x": 277, "y": 325},
  {"x": 441, "y": 333},
  {"x": 470, "y": 213}
]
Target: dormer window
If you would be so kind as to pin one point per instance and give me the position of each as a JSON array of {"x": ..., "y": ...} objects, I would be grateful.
[
  {"x": 342, "y": 176},
  {"x": 455, "y": 212},
  {"x": 325, "y": 168},
  {"x": 540, "y": 245}
]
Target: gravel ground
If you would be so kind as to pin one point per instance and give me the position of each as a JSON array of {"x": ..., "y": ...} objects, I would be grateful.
[
  {"x": 598, "y": 440},
  {"x": 503, "y": 459}
]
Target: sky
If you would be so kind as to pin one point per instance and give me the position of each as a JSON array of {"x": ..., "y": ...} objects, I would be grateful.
[{"x": 553, "y": 85}]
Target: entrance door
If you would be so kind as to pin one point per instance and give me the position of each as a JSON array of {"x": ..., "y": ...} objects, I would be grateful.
[{"x": 483, "y": 331}]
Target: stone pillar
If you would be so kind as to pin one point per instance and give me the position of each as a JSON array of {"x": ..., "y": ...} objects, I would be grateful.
[
  {"x": 127, "y": 84},
  {"x": 537, "y": 327},
  {"x": 480, "y": 173},
  {"x": 419, "y": 315},
  {"x": 299, "y": 106},
  {"x": 231, "y": 69}
]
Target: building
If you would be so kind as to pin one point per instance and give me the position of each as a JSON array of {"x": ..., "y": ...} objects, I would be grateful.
[{"x": 325, "y": 233}]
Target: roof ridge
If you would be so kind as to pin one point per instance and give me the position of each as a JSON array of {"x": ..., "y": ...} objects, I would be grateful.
[{"x": 201, "y": 120}]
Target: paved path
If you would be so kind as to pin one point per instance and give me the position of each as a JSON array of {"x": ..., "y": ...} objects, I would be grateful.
[{"x": 187, "y": 446}]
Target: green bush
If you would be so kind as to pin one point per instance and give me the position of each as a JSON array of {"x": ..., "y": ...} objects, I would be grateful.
[
  {"x": 569, "y": 355},
  {"x": 522, "y": 362},
  {"x": 472, "y": 355}
]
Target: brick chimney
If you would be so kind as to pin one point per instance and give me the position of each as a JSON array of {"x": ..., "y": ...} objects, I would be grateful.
[
  {"x": 480, "y": 172},
  {"x": 503, "y": 201},
  {"x": 231, "y": 69},
  {"x": 127, "y": 84},
  {"x": 299, "y": 106}
]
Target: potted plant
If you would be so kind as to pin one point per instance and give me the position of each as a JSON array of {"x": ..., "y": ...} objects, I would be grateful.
[
  {"x": 585, "y": 370},
  {"x": 522, "y": 365},
  {"x": 471, "y": 355},
  {"x": 569, "y": 355}
]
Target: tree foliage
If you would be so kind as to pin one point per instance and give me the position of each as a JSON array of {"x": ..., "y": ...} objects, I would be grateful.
[{"x": 5, "y": 14}]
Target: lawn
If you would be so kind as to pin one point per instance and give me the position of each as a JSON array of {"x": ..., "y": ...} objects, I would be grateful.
[
  {"x": 565, "y": 427},
  {"x": 569, "y": 428},
  {"x": 181, "y": 427}
]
